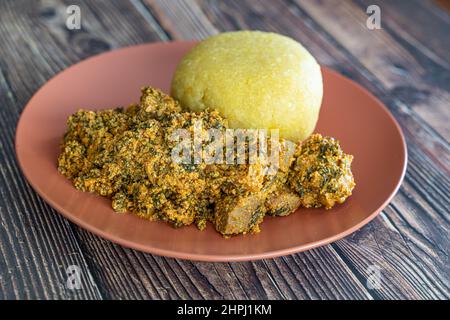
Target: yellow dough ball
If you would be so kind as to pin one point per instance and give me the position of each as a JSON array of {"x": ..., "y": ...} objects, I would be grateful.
[{"x": 255, "y": 79}]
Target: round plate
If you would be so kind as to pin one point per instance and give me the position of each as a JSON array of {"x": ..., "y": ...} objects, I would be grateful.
[{"x": 349, "y": 113}]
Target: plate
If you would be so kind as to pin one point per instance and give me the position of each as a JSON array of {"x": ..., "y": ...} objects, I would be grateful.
[{"x": 349, "y": 113}]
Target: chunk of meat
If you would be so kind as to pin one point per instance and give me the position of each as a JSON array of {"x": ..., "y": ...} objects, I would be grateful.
[
  {"x": 282, "y": 202},
  {"x": 239, "y": 214}
]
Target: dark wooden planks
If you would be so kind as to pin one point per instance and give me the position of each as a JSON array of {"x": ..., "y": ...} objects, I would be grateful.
[
  {"x": 288, "y": 19},
  {"x": 403, "y": 241},
  {"x": 36, "y": 245},
  {"x": 430, "y": 46},
  {"x": 130, "y": 274},
  {"x": 422, "y": 219},
  {"x": 410, "y": 74},
  {"x": 402, "y": 19},
  {"x": 182, "y": 279},
  {"x": 182, "y": 19},
  {"x": 259, "y": 15},
  {"x": 425, "y": 216},
  {"x": 123, "y": 273}
]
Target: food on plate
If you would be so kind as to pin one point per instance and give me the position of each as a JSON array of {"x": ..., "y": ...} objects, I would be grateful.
[
  {"x": 282, "y": 202},
  {"x": 127, "y": 155},
  {"x": 253, "y": 79},
  {"x": 321, "y": 173}
]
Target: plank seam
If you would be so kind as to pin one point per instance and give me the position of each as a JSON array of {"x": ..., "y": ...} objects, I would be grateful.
[{"x": 150, "y": 17}]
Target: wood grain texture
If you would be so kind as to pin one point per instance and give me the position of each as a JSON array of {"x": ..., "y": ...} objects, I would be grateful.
[
  {"x": 291, "y": 19},
  {"x": 401, "y": 71},
  {"x": 36, "y": 245},
  {"x": 402, "y": 64}
]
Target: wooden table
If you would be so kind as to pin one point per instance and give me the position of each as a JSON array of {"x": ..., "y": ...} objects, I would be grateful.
[{"x": 406, "y": 64}]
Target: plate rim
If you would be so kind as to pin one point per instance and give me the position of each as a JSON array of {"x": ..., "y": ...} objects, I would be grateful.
[{"x": 210, "y": 257}]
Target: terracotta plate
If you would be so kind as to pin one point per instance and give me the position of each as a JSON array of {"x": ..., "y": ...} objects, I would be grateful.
[{"x": 363, "y": 125}]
